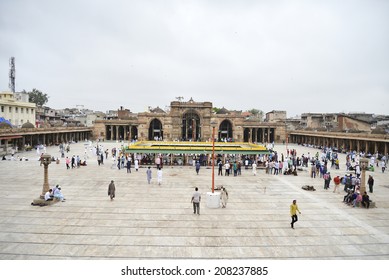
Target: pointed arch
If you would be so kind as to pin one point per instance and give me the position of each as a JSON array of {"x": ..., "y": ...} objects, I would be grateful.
[
  {"x": 155, "y": 130},
  {"x": 191, "y": 126},
  {"x": 225, "y": 130}
]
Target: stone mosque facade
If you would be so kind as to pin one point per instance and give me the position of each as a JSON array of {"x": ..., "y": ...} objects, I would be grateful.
[{"x": 189, "y": 121}]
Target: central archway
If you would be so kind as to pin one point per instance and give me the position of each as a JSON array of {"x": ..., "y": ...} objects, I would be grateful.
[
  {"x": 155, "y": 130},
  {"x": 225, "y": 131},
  {"x": 191, "y": 127}
]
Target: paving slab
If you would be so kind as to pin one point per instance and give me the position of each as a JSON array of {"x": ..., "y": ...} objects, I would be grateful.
[{"x": 157, "y": 222}]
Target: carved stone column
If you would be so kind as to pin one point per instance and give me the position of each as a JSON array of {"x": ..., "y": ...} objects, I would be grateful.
[
  {"x": 364, "y": 164},
  {"x": 45, "y": 160}
]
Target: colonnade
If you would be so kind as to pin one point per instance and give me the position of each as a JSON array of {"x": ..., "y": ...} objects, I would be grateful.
[
  {"x": 121, "y": 132},
  {"x": 43, "y": 137},
  {"x": 344, "y": 142},
  {"x": 259, "y": 134}
]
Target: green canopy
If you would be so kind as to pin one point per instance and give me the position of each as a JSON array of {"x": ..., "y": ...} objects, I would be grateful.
[{"x": 159, "y": 147}]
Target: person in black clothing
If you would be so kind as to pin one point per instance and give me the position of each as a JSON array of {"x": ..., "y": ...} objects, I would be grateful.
[
  {"x": 370, "y": 182},
  {"x": 366, "y": 200},
  {"x": 220, "y": 165}
]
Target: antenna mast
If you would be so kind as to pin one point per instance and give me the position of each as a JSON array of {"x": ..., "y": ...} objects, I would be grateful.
[{"x": 11, "y": 84}]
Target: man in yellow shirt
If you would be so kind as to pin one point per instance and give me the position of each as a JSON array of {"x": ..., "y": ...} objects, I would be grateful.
[{"x": 293, "y": 213}]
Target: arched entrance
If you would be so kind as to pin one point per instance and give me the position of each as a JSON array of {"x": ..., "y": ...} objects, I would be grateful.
[
  {"x": 155, "y": 130},
  {"x": 246, "y": 135},
  {"x": 191, "y": 127},
  {"x": 121, "y": 133},
  {"x": 225, "y": 130},
  {"x": 134, "y": 133}
]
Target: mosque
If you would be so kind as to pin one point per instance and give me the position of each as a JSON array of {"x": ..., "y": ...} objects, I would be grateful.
[{"x": 191, "y": 121}]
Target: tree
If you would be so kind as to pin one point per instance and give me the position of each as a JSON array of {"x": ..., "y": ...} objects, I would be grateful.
[
  {"x": 37, "y": 97},
  {"x": 216, "y": 110},
  {"x": 256, "y": 113}
]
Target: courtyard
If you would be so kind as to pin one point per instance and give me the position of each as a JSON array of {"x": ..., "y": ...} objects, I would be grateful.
[{"x": 157, "y": 222}]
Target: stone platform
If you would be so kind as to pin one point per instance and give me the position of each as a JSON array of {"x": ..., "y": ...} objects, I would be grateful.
[{"x": 157, "y": 222}]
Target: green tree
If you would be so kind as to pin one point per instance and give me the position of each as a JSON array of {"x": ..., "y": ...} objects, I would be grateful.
[
  {"x": 216, "y": 110},
  {"x": 256, "y": 113},
  {"x": 37, "y": 97}
]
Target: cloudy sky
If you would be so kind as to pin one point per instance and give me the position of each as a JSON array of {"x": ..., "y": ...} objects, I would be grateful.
[{"x": 298, "y": 56}]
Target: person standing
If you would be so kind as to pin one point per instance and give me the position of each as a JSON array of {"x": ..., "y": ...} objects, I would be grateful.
[
  {"x": 102, "y": 158},
  {"x": 136, "y": 162},
  {"x": 235, "y": 168},
  {"x": 111, "y": 190},
  {"x": 158, "y": 162},
  {"x": 220, "y": 165},
  {"x": 159, "y": 176},
  {"x": 227, "y": 167},
  {"x": 383, "y": 165},
  {"x": 313, "y": 171},
  {"x": 370, "y": 182},
  {"x": 327, "y": 179},
  {"x": 357, "y": 170},
  {"x": 73, "y": 161},
  {"x": 196, "y": 198},
  {"x": 67, "y": 161},
  {"x": 197, "y": 167},
  {"x": 224, "y": 197},
  {"x": 128, "y": 166},
  {"x": 293, "y": 213},
  {"x": 254, "y": 165},
  {"x": 148, "y": 174}
]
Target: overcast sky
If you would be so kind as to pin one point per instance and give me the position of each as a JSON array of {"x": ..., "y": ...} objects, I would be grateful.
[{"x": 298, "y": 56}]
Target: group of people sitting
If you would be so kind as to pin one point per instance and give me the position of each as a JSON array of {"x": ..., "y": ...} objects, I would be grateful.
[
  {"x": 355, "y": 197},
  {"x": 54, "y": 193}
]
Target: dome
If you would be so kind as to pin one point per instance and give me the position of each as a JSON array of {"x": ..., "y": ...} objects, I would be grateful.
[
  {"x": 28, "y": 125},
  {"x": 223, "y": 111},
  {"x": 4, "y": 125},
  {"x": 157, "y": 110}
]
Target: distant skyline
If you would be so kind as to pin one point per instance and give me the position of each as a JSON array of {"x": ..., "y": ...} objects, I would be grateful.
[{"x": 297, "y": 56}]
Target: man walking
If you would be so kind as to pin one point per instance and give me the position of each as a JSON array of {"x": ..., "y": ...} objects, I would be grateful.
[
  {"x": 197, "y": 167},
  {"x": 159, "y": 176},
  {"x": 111, "y": 190},
  {"x": 293, "y": 213},
  {"x": 196, "y": 198},
  {"x": 148, "y": 174}
]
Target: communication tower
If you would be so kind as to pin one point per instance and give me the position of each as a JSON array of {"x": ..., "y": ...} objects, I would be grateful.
[{"x": 11, "y": 84}]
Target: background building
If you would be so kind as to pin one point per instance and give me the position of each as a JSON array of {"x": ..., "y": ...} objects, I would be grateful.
[
  {"x": 15, "y": 108},
  {"x": 189, "y": 121}
]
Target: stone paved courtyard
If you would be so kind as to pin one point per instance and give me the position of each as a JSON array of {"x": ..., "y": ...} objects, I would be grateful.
[{"x": 157, "y": 222}]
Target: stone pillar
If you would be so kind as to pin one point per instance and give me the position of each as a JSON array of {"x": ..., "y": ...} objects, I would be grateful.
[
  {"x": 364, "y": 164},
  {"x": 263, "y": 135},
  {"x": 45, "y": 161}
]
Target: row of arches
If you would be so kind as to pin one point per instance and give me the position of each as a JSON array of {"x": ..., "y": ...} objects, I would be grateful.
[{"x": 191, "y": 129}]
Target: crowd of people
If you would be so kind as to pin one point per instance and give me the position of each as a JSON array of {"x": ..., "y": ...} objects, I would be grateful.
[{"x": 319, "y": 165}]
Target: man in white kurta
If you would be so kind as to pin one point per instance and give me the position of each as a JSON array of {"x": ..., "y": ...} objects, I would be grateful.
[
  {"x": 159, "y": 176},
  {"x": 254, "y": 165}
]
